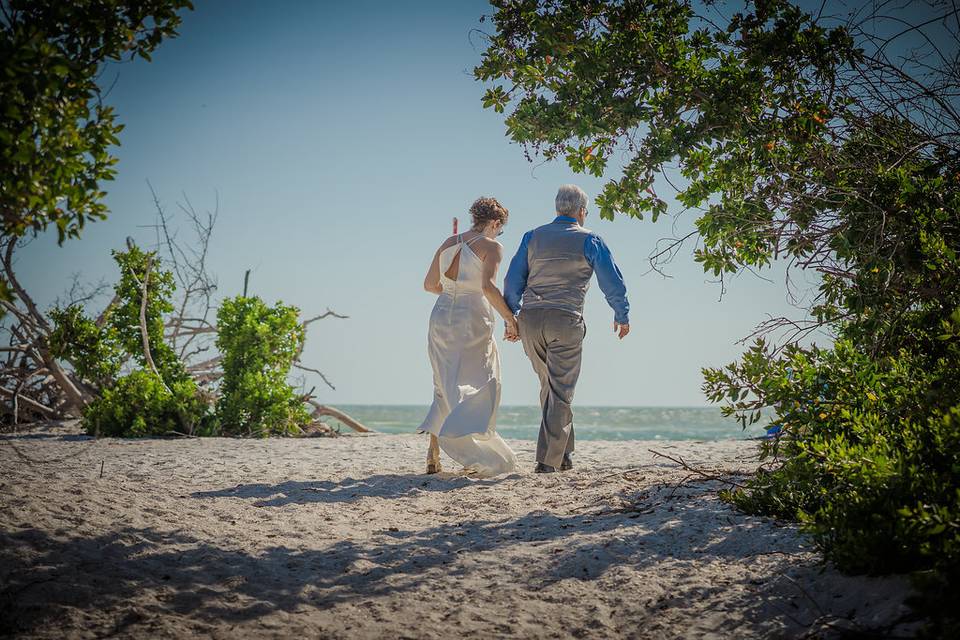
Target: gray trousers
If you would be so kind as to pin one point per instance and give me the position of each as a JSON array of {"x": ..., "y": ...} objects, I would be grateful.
[{"x": 553, "y": 340}]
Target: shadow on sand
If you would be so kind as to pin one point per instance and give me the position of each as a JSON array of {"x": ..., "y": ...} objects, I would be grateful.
[
  {"x": 44, "y": 575},
  {"x": 386, "y": 485}
]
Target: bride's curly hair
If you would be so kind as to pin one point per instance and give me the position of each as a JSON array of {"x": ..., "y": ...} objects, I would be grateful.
[{"x": 485, "y": 210}]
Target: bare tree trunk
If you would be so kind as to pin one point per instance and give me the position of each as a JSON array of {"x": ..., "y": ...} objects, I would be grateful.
[{"x": 144, "y": 334}]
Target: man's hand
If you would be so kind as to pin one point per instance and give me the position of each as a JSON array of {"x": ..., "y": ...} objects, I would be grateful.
[{"x": 621, "y": 329}]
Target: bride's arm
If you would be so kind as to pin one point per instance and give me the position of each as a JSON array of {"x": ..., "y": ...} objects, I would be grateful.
[
  {"x": 491, "y": 263},
  {"x": 431, "y": 282}
]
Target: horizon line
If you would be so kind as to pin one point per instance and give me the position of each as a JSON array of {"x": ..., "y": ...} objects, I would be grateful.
[{"x": 582, "y": 406}]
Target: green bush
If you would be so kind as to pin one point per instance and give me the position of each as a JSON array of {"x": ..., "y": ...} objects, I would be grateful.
[
  {"x": 868, "y": 458},
  {"x": 135, "y": 266},
  {"x": 139, "y": 404},
  {"x": 143, "y": 402},
  {"x": 98, "y": 351},
  {"x": 94, "y": 351},
  {"x": 259, "y": 344}
]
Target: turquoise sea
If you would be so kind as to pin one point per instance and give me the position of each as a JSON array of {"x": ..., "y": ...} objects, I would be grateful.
[{"x": 591, "y": 423}]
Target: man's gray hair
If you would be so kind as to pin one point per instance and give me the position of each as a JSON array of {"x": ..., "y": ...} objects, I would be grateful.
[{"x": 570, "y": 199}]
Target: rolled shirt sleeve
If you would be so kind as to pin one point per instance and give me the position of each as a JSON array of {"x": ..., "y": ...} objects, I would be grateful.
[
  {"x": 515, "y": 282},
  {"x": 609, "y": 278}
]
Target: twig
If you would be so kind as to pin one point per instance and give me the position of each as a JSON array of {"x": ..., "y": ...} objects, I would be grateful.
[
  {"x": 180, "y": 433},
  {"x": 206, "y": 364},
  {"x": 327, "y": 314},
  {"x": 11, "y": 277},
  {"x": 101, "y": 320},
  {"x": 703, "y": 474},
  {"x": 316, "y": 371},
  {"x": 618, "y": 473},
  {"x": 805, "y": 593}
]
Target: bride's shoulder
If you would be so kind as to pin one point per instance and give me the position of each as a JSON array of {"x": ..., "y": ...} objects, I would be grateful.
[
  {"x": 489, "y": 246},
  {"x": 449, "y": 242},
  {"x": 484, "y": 241}
]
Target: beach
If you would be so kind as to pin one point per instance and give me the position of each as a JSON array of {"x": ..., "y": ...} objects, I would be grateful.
[{"x": 348, "y": 538}]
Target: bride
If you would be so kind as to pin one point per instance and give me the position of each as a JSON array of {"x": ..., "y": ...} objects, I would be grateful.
[{"x": 466, "y": 363}]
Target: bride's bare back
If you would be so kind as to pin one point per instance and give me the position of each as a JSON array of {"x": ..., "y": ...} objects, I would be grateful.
[{"x": 481, "y": 246}]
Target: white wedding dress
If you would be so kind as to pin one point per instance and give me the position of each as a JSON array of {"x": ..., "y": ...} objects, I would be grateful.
[{"x": 466, "y": 369}]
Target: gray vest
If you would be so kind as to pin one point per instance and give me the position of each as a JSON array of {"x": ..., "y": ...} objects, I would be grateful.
[{"x": 559, "y": 273}]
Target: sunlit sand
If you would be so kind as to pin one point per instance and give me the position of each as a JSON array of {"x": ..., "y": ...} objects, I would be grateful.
[{"x": 346, "y": 537}]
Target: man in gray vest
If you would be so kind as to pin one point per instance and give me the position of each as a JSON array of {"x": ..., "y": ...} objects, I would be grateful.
[{"x": 546, "y": 283}]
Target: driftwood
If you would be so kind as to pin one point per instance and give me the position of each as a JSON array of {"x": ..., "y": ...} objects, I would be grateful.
[
  {"x": 33, "y": 384},
  {"x": 318, "y": 429},
  {"x": 190, "y": 330},
  {"x": 32, "y": 404},
  {"x": 321, "y": 410}
]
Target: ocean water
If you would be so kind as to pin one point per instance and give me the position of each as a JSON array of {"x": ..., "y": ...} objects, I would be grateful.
[{"x": 591, "y": 423}]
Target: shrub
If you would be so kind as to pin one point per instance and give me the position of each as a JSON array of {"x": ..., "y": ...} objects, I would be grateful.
[
  {"x": 143, "y": 402},
  {"x": 140, "y": 404},
  {"x": 135, "y": 266},
  {"x": 869, "y": 454},
  {"x": 868, "y": 458},
  {"x": 259, "y": 344},
  {"x": 93, "y": 350}
]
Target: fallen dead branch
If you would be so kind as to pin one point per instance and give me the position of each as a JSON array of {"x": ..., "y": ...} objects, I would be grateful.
[
  {"x": 716, "y": 475},
  {"x": 321, "y": 410}
]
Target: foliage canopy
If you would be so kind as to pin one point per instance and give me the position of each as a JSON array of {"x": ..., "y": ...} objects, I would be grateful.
[
  {"x": 828, "y": 142},
  {"x": 55, "y": 131}
]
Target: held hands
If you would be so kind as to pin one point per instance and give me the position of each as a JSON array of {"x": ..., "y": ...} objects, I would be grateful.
[
  {"x": 512, "y": 331},
  {"x": 621, "y": 329}
]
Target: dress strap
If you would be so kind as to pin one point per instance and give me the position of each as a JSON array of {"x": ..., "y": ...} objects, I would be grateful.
[{"x": 473, "y": 238}]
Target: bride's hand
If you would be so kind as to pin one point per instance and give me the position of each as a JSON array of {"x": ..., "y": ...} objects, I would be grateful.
[{"x": 512, "y": 332}]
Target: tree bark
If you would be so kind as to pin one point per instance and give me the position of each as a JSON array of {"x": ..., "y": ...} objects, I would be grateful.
[{"x": 144, "y": 334}]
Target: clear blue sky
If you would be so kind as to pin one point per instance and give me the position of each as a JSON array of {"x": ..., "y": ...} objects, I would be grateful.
[{"x": 341, "y": 139}]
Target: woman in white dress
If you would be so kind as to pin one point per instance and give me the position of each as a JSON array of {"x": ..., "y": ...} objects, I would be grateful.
[{"x": 466, "y": 363}]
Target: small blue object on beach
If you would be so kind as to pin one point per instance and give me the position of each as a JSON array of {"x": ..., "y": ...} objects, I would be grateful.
[{"x": 772, "y": 431}]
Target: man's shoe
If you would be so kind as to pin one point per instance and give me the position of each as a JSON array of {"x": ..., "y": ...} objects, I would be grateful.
[
  {"x": 567, "y": 463},
  {"x": 544, "y": 468}
]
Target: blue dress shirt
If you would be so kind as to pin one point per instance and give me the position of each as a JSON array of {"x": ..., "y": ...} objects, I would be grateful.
[{"x": 596, "y": 252}]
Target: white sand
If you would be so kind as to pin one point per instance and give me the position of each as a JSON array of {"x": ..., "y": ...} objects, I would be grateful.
[{"x": 346, "y": 538}]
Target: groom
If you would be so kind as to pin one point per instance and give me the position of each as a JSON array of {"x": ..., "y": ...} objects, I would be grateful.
[{"x": 546, "y": 283}]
